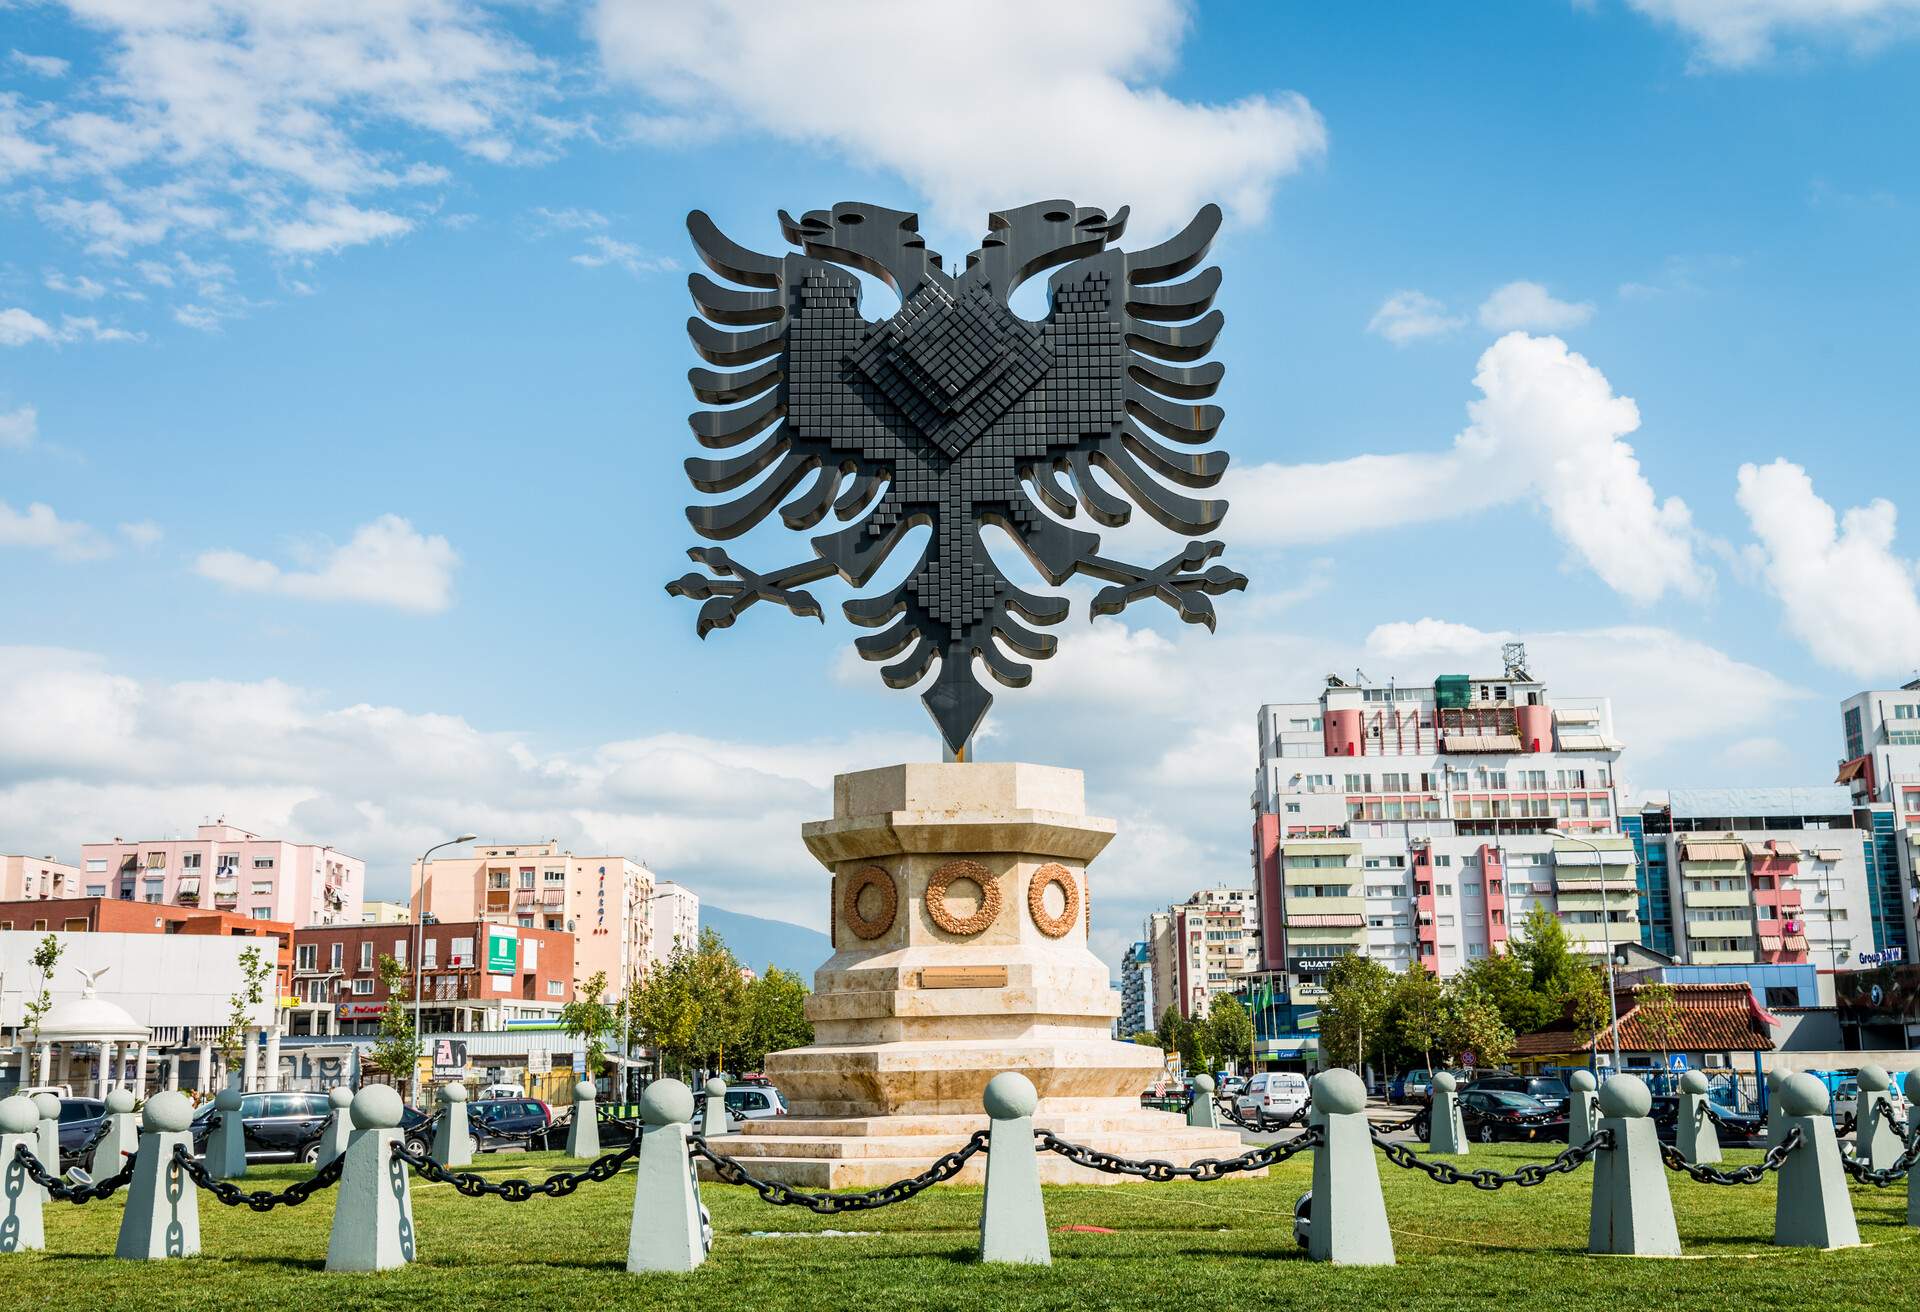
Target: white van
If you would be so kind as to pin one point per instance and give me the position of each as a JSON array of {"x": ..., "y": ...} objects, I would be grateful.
[{"x": 1274, "y": 1096}]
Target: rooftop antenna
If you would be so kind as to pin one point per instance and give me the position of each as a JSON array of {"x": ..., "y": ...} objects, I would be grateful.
[{"x": 1514, "y": 656}]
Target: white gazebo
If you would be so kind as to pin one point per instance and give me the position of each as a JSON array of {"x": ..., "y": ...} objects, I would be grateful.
[{"x": 91, "y": 1020}]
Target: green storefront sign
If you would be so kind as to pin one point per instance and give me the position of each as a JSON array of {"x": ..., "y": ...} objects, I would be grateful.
[{"x": 503, "y": 954}]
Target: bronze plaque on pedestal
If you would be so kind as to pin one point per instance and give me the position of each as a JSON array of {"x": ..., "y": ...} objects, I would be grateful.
[{"x": 963, "y": 977}]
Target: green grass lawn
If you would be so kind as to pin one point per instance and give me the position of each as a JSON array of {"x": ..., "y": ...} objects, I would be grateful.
[{"x": 1222, "y": 1245}]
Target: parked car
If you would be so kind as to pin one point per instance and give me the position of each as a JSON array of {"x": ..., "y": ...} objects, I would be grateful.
[
  {"x": 1735, "y": 1129},
  {"x": 80, "y": 1120},
  {"x": 754, "y": 1102},
  {"x": 493, "y": 1091},
  {"x": 498, "y": 1122},
  {"x": 1412, "y": 1086},
  {"x": 276, "y": 1127},
  {"x": 1274, "y": 1095},
  {"x": 1846, "y": 1100},
  {"x": 1549, "y": 1089},
  {"x": 1493, "y": 1114},
  {"x": 1229, "y": 1086}
]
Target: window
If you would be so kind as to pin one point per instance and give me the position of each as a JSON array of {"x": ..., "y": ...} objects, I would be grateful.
[
  {"x": 306, "y": 956},
  {"x": 75, "y": 925},
  {"x": 366, "y": 956},
  {"x": 96, "y": 890},
  {"x": 337, "y": 958},
  {"x": 400, "y": 951},
  {"x": 363, "y": 986},
  {"x": 96, "y": 864},
  {"x": 462, "y": 952},
  {"x": 496, "y": 879},
  {"x": 263, "y": 888},
  {"x": 1394, "y": 783},
  {"x": 1533, "y": 778},
  {"x": 553, "y": 922},
  {"x": 526, "y": 877},
  {"x": 1293, "y": 808},
  {"x": 1470, "y": 888},
  {"x": 1359, "y": 783},
  {"x": 555, "y": 988},
  {"x": 1443, "y": 890},
  {"x": 526, "y": 922},
  {"x": 429, "y": 954},
  {"x": 263, "y": 863},
  {"x": 156, "y": 860},
  {"x": 190, "y": 861},
  {"x": 553, "y": 876},
  {"x": 262, "y": 913},
  {"x": 1443, "y": 860},
  {"x": 1496, "y": 778}
]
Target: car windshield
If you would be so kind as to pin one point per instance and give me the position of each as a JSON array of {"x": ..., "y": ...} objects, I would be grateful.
[
  {"x": 1524, "y": 1102},
  {"x": 1547, "y": 1089}
]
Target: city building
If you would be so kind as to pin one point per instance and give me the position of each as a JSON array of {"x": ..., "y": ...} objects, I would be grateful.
[
  {"x": 602, "y": 901},
  {"x": 1424, "y": 823},
  {"x": 1768, "y": 875},
  {"x": 674, "y": 913},
  {"x": 474, "y": 975},
  {"x": 37, "y": 878},
  {"x": 109, "y": 1024},
  {"x": 1209, "y": 944},
  {"x": 1881, "y": 770},
  {"x": 226, "y": 868},
  {"x": 1162, "y": 975},
  {"x": 1136, "y": 992},
  {"x": 385, "y": 913}
]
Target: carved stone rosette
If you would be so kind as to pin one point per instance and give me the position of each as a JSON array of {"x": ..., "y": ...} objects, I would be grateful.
[
  {"x": 859, "y": 882},
  {"x": 1045, "y": 877},
  {"x": 936, "y": 898}
]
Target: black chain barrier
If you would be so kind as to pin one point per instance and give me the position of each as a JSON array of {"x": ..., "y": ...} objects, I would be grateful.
[
  {"x": 71, "y": 1193},
  {"x": 1261, "y": 1123},
  {"x": 1846, "y": 1125},
  {"x": 259, "y": 1200},
  {"x": 1884, "y": 1110},
  {"x": 1753, "y": 1173},
  {"x": 1160, "y": 1172},
  {"x": 1902, "y": 1165},
  {"x": 1411, "y": 1125},
  {"x": 558, "y": 1185},
  {"x": 1533, "y": 1173},
  {"x": 729, "y": 1170}
]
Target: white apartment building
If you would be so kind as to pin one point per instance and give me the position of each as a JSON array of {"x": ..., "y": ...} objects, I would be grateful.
[
  {"x": 675, "y": 915},
  {"x": 227, "y": 868},
  {"x": 1423, "y": 823},
  {"x": 1198, "y": 948},
  {"x": 37, "y": 878},
  {"x": 1881, "y": 770},
  {"x": 601, "y": 900}
]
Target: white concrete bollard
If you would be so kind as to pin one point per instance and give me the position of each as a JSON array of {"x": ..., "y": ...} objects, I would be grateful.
[
  {"x": 1812, "y": 1209},
  {"x": 373, "y": 1213},
  {"x": 1632, "y": 1209},
  {"x": 715, "y": 1119},
  {"x": 583, "y": 1135},
  {"x": 120, "y": 1140},
  {"x": 1583, "y": 1112},
  {"x": 333, "y": 1140},
  {"x": 162, "y": 1219},
  {"x": 1013, "y": 1218},
  {"x": 1348, "y": 1226},
  {"x": 1695, "y": 1134},
  {"x": 22, "y": 1227},
  {"x": 1776, "y": 1081},
  {"x": 1874, "y": 1141},
  {"x": 665, "y": 1233},
  {"x": 452, "y": 1140},
  {"x": 48, "y": 1131},
  {"x": 227, "y": 1143},
  {"x": 1200, "y": 1109},
  {"x": 1446, "y": 1132}
]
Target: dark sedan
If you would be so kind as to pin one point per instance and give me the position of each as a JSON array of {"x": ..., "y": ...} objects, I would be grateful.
[
  {"x": 276, "y": 1127},
  {"x": 1494, "y": 1114},
  {"x": 81, "y": 1120},
  {"x": 1734, "y": 1129}
]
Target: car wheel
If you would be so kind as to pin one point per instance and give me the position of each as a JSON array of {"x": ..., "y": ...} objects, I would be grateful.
[
  {"x": 1487, "y": 1134},
  {"x": 419, "y": 1147},
  {"x": 473, "y": 1144},
  {"x": 311, "y": 1154}
]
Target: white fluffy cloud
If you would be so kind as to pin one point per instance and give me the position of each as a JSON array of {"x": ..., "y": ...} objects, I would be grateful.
[
  {"x": 19, "y": 427},
  {"x": 38, "y": 528},
  {"x": 87, "y": 751},
  {"x": 18, "y": 327},
  {"x": 980, "y": 105},
  {"x": 1527, "y": 306},
  {"x": 1409, "y": 316},
  {"x": 1846, "y": 594},
  {"x": 386, "y": 563},
  {"x": 1547, "y": 429},
  {"x": 1668, "y": 690},
  {"x": 38, "y": 65},
  {"x": 1740, "y": 33},
  {"x": 603, "y": 250},
  {"x": 142, "y": 533},
  {"x": 82, "y": 286},
  {"x": 330, "y": 226}
]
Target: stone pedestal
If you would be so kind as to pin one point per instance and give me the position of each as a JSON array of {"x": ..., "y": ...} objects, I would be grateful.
[{"x": 959, "y": 926}]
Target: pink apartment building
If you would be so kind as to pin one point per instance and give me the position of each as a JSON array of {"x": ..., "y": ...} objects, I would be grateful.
[
  {"x": 225, "y": 868},
  {"x": 37, "y": 878}
]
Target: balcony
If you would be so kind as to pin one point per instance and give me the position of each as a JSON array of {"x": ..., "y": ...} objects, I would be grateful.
[
  {"x": 1740, "y": 929},
  {"x": 1717, "y": 897}
]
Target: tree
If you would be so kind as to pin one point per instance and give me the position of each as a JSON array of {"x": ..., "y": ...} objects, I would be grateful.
[
  {"x": 1145, "y": 1038},
  {"x": 396, "y": 1046},
  {"x": 1507, "y": 982},
  {"x": 776, "y": 1017},
  {"x": 1416, "y": 1010},
  {"x": 1229, "y": 1028},
  {"x": 1543, "y": 950},
  {"x": 1358, "y": 992},
  {"x": 1470, "y": 1023},
  {"x": 693, "y": 1009},
  {"x": 242, "y": 1006},
  {"x": 589, "y": 1017},
  {"x": 1585, "y": 1003},
  {"x": 1168, "y": 1031},
  {"x": 1658, "y": 1008},
  {"x": 46, "y": 955},
  {"x": 1195, "y": 1044}
]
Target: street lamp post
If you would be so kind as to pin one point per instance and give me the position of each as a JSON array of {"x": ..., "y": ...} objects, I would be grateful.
[
  {"x": 1606, "y": 939},
  {"x": 419, "y": 927}
]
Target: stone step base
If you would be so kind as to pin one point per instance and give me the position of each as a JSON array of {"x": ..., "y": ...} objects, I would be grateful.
[{"x": 867, "y": 1152}]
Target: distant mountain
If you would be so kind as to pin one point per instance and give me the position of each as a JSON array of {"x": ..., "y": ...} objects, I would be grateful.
[{"x": 758, "y": 943}]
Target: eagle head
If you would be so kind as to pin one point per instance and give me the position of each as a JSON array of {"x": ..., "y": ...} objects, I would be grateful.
[
  {"x": 885, "y": 243},
  {"x": 1021, "y": 242}
]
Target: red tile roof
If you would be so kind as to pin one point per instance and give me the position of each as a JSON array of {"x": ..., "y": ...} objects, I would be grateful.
[{"x": 1713, "y": 1018}]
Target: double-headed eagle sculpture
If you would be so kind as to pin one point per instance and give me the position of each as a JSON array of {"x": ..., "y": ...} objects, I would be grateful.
[{"x": 956, "y": 413}]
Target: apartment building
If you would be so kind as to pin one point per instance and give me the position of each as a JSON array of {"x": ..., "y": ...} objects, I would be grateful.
[
  {"x": 1161, "y": 974},
  {"x": 1198, "y": 948},
  {"x": 25, "y": 878},
  {"x": 674, "y": 917},
  {"x": 385, "y": 913},
  {"x": 601, "y": 901},
  {"x": 1136, "y": 992},
  {"x": 474, "y": 975},
  {"x": 1423, "y": 823},
  {"x": 1779, "y": 876},
  {"x": 226, "y": 868},
  {"x": 1881, "y": 771}
]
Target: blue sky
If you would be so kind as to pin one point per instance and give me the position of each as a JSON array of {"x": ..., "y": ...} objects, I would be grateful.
[{"x": 342, "y": 396}]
